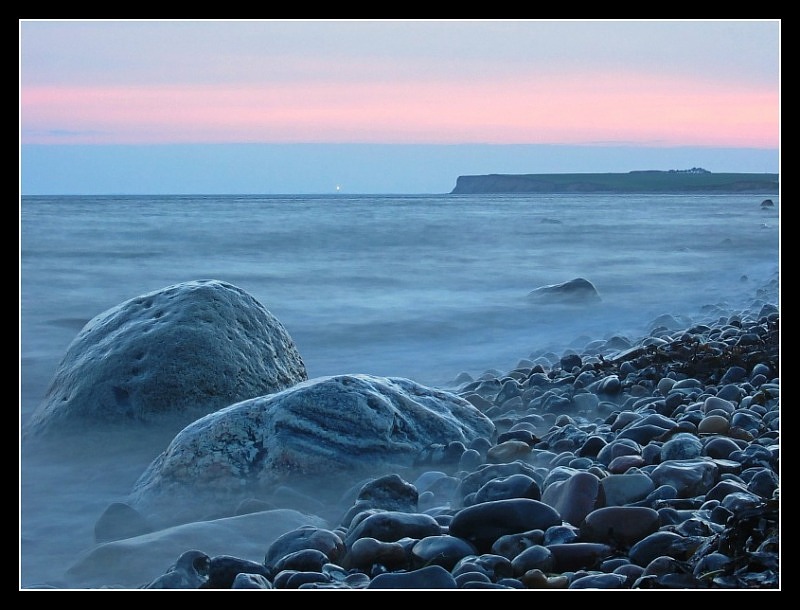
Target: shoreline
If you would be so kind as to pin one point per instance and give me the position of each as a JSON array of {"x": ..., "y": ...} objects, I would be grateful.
[{"x": 548, "y": 420}]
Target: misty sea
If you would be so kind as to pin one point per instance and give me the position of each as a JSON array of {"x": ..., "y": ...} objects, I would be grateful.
[{"x": 417, "y": 286}]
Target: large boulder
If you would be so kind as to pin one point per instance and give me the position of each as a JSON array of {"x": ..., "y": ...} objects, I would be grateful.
[
  {"x": 322, "y": 431},
  {"x": 180, "y": 352},
  {"x": 574, "y": 292}
]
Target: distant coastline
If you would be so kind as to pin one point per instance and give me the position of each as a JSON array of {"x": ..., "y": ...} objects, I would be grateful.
[{"x": 695, "y": 180}]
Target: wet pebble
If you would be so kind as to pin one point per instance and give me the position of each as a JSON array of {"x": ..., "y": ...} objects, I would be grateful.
[
  {"x": 621, "y": 526},
  {"x": 600, "y": 581},
  {"x": 482, "y": 524},
  {"x": 578, "y": 555},
  {"x": 390, "y": 526},
  {"x": 365, "y": 552},
  {"x": 444, "y": 550},
  {"x": 222, "y": 571},
  {"x": 691, "y": 477},
  {"x": 535, "y": 557},
  {"x": 504, "y": 488},
  {"x": 574, "y": 497},
  {"x": 250, "y": 581}
]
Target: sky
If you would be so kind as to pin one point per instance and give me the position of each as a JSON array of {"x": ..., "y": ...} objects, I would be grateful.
[{"x": 406, "y": 106}]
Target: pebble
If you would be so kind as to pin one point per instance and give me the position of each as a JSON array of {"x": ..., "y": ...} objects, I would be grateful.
[
  {"x": 365, "y": 552},
  {"x": 390, "y": 526},
  {"x": 574, "y": 556},
  {"x": 622, "y": 489},
  {"x": 504, "y": 488},
  {"x": 621, "y": 526},
  {"x": 223, "y": 569},
  {"x": 511, "y": 545},
  {"x": 445, "y": 551},
  {"x": 482, "y": 524},
  {"x": 690, "y": 477},
  {"x": 575, "y": 497},
  {"x": 535, "y": 557}
]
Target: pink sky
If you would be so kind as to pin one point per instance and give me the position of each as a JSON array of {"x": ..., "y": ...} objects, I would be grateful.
[
  {"x": 604, "y": 108},
  {"x": 650, "y": 84}
]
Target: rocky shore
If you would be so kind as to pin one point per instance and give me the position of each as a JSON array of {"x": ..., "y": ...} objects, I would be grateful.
[{"x": 647, "y": 464}]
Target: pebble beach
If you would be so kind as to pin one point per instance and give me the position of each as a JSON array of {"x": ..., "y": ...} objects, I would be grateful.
[{"x": 647, "y": 464}]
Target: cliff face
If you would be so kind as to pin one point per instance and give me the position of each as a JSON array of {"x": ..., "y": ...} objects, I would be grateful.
[
  {"x": 633, "y": 182},
  {"x": 504, "y": 183}
]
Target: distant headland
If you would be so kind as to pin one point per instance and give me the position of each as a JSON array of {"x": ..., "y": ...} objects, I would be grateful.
[{"x": 694, "y": 180}]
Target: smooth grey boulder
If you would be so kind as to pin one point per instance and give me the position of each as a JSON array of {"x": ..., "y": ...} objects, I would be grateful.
[
  {"x": 575, "y": 291},
  {"x": 134, "y": 562},
  {"x": 180, "y": 352},
  {"x": 322, "y": 431}
]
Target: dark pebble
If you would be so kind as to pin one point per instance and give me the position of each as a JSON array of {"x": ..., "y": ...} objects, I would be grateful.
[
  {"x": 432, "y": 577},
  {"x": 600, "y": 581},
  {"x": 250, "y": 581},
  {"x": 445, "y": 551},
  {"x": 484, "y": 523},
  {"x": 391, "y": 526},
  {"x": 222, "y": 571}
]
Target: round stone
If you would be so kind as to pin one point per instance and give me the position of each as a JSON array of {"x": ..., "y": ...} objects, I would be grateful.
[
  {"x": 560, "y": 534},
  {"x": 654, "y": 545},
  {"x": 305, "y": 537},
  {"x": 511, "y": 545},
  {"x": 535, "y": 557},
  {"x": 720, "y": 447},
  {"x": 623, "y": 463},
  {"x": 723, "y": 488},
  {"x": 366, "y": 552},
  {"x": 575, "y": 497},
  {"x": 622, "y": 526},
  {"x": 600, "y": 581},
  {"x": 682, "y": 446},
  {"x": 691, "y": 478},
  {"x": 389, "y": 492},
  {"x": 305, "y": 560},
  {"x": 222, "y": 571},
  {"x": 391, "y": 526},
  {"x": 482, "y": 524},
  {"x": 431, "y": 577},
  {"x": 445, "y": 551},
  {"x": 714, "y": 402},
  {"x": 713, "y": 424},
  {"x": 472, "y": 482},
  {"x": 250, "y": 581},
  {"x": 617, "y": 448},
  {"x": 621, "y": 489},
  {"x": 578, "y": 555},
  {"x": 504, "y": 488},
  {"x": 508, "y": 451}
]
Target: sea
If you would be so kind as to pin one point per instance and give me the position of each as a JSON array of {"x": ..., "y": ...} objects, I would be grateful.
[{"x": 426, "y": 287}]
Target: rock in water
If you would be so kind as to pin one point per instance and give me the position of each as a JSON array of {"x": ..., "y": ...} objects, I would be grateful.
[
  {"x": 190, "y": 571},
  {"x": 576, "y": 292},
  {"x": 183, "y": 351},
  {"x": 323, "y": 428}
]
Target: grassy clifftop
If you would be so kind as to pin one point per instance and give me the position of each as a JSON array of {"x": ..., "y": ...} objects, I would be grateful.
[{"x": 632, "y": 182}]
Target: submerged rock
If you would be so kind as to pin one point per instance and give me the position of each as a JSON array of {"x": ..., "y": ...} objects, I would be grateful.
[
  {"x": 179, "y": 352},
  {"x": 576, "y": 291},
  {"x": 340, "y": 426}
]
